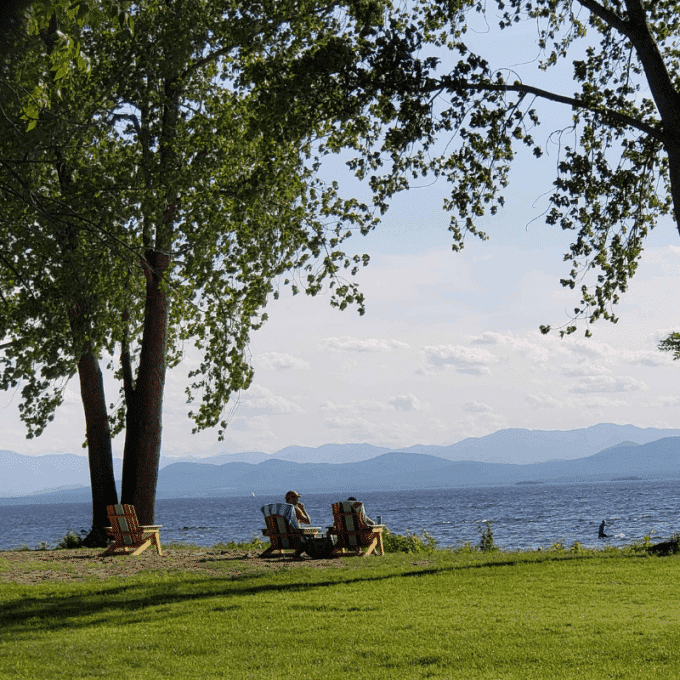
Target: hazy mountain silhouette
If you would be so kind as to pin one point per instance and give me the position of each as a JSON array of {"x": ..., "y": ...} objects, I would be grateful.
[{"x": 391, "y": 471}]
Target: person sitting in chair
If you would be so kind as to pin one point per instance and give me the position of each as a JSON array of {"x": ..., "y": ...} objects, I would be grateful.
[
  {"x": 293, "y": 497},
  {"x": 356, "y": 505}
]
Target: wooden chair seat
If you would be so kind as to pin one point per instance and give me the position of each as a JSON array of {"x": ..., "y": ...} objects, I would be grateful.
[
  {"x": 129, "y": 538},
  {"x": 283, "y": 530},
  {"x": 355, "y": 537}
]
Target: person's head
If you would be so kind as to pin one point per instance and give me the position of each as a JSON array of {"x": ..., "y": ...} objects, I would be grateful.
[
  {"x": 292, "y": 497},
  {"x": 351, "y": 498}
]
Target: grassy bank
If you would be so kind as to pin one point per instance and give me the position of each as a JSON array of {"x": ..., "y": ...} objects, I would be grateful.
[{"x": 443, "y": 614}]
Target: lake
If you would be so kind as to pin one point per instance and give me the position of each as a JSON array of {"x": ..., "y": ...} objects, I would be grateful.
[{"x": 526, "y": 516}]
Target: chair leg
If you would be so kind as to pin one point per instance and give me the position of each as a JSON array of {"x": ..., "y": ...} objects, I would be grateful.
[
  {"x": 380, "y": 546},
  {"x": 371, "y": 547},
  {"x": 268, "y": 551},
  {"x": 142, "y": 547}
]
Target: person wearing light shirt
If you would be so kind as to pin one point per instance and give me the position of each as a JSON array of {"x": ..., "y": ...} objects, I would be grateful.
[{"x": 293, "y": 498}]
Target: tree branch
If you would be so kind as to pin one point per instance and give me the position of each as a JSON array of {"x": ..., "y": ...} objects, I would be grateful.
[
  {"x": 521, "y": 88},
  {"x": 609, "y": 17},
  {"x": 660, "y": 83}
]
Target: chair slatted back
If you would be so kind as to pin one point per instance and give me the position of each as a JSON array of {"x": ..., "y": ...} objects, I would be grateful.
[
  {"x": 128, "y": 536},
  {"x": 124, "y": 524},
  {"x": 281, "y": 534},
  {"x": 349, "y": 524}
]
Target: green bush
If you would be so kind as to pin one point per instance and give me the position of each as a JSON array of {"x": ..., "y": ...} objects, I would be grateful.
[
  {"x": 669, "y": 547},
  {"x": 464, "y": 548},
  {"x": 642, "y": 546},
  {"x": 486, "y": 539},
  {"x": 69, "y": 541},
  {"x": 255, "y": 543},
  {"x": 409, "y": 543},
  {"x": 675, "y": 542}
]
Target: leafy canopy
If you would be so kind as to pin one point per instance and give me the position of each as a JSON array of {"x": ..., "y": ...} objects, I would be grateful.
[
  {"x": 458, "y": 119},
  {"x": 144, "y": 137}
]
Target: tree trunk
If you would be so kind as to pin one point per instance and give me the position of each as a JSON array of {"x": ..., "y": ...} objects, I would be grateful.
[
  {"x": 99, "y": 452},
  {"x": 673, "y": 151},
  {"x": 144, "y": 403}
]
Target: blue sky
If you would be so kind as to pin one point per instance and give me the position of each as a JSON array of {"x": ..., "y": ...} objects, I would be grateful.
[{"x": 449, "y": 346}]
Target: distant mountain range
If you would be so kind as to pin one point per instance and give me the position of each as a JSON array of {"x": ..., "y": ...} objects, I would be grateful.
[{"x": 601, "y": 452}]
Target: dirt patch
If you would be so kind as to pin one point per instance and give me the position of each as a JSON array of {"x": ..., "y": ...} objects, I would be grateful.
[{"x": 38, "y": 566}]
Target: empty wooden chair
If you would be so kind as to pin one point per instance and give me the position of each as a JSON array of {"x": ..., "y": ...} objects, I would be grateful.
[
  {"x": 283, "y": 529},
  {"x": 128, "y": 536},
  {"x": 355, "y": 536}
]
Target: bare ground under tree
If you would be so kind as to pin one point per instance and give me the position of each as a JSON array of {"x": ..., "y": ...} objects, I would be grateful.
[{"x": 39, "y": 566}]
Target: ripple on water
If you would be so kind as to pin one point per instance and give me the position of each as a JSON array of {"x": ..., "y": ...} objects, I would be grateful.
[{"x": 521, "y": 517}]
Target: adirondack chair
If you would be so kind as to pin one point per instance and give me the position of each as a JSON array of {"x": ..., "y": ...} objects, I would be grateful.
[
  {"x": 128, "y": 536},
  {"x": 354, "y": 534},
  {"x": 283, "y": 529}
]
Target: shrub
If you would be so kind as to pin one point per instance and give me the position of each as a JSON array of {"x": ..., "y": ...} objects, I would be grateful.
[
  {"x": 669, "y": 547},
  {"x": 486, "y": 539},
  {"x": 69, "y": 541},
  {"x": 464, "y": 548},
  {"x": 409, "y": 543},
  {"x": 675, "y": 542},
  {"x": 255, "y": 543},
  {"x": 644, "y": 545}
]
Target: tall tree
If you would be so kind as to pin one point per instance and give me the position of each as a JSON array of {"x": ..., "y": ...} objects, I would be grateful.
[
  {"x": 47, "y": 319},
  {"x": 156, "y": 195}
]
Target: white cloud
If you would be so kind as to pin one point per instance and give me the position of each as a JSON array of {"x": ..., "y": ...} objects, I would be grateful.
[
  {"x": 353, "y": 429},
  {"x": 664, "y": 401},
  {"x": 596, "y": 402},
  {"x": 541, "y": 400},
  {"x": 476, "y": 407},
  {"x": 263, "y": 401},
  {"x": 584, "y": 369},
  {"x": 406, "y": 402},
  {"x": 488, "y": 338},
  {"x": 661, "y": 334},
  {"x": 354, "y": 406},
  {"x": 646, "y": 358},
  {"x": 609, "y": 383},
  {"x": 280, "y": 361},
  {"x": 347, "y": 344},
  {"x": 462, "y": 359},
  {"x": 71, "y": 397},
  {"x": 539, "y": 350}
]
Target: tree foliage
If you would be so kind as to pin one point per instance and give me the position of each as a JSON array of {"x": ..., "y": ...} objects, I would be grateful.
[
  {"x": 619, "y": 160},
  {"x": 154, "y": 193},
  {"x": 160, "y": 160}
]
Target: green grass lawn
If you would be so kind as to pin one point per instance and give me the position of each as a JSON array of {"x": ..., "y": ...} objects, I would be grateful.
[{"x": 436, "y": 615}]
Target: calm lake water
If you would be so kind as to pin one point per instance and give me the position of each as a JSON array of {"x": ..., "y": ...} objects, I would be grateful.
[{"x": 523, "y": 516}]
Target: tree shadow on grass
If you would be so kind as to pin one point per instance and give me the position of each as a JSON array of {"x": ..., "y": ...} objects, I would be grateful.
[{"x": 60, "y": 606}]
